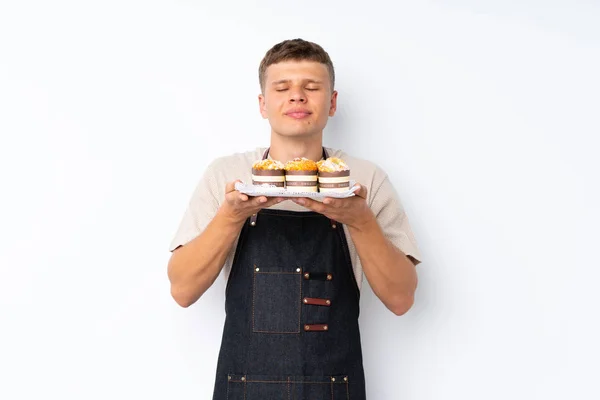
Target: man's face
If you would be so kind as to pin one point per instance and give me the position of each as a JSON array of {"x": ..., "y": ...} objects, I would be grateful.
[{"x": 297, "y": 98}]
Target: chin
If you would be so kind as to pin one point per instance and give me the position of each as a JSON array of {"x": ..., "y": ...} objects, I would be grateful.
[
  {"x": 298, "y": 131},
  {"x": 297, "y": 134}
]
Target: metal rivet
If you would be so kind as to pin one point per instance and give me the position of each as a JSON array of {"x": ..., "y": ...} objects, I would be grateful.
[
  {"x": 334, "y": 226},
  {"x": 332, "y": 379},
  {"x": 345, "y": 379},
  {"x": 297, "y": 269},
  {"x": 306, "y": 327},
  {"x": 306, "y": 275},
  {"x": 328, "y": 302},
  {"x": 305, "y": 300},
  {"x": 329, "y": 277},
  {"x": 229, "y": 377},
  {"x": 257, "y": 269},
  {"x": 253, "y": 223},
  {"x": 325, "y": 328},
  {"x": 243, "y": 378}
]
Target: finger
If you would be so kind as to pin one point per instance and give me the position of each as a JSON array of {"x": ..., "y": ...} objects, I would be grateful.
[
  {"x": 272, "y": 201},
  {"x": 242, "y": 197},
  {"x": 331, "y": 202},
  {"x": 260, "y": 200},
  {"x": 361, "y": 192},
  {"x": 230, "y": 187},
  {"x": 311, "y": 204}
]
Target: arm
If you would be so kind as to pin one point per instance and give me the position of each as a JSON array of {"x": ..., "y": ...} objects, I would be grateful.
[
  {"x": 194, "y": 267},
  {"x": 391, "y": 274}
]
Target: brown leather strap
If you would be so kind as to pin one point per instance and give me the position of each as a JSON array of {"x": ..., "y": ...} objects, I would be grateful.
[
  {"x": 316, "y": 328},
  {"x": 253, "y": 219},
  {"x": 333, "y": 223},
  {"x": 313, "y": 301}
]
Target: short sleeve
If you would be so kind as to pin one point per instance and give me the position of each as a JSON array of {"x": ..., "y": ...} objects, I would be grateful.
[
  {"x": 201, "y": 210},
  {"x": 392, "y": 217}
]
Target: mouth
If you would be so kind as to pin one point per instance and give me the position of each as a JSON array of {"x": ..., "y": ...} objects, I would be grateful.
[{"x": 298, "y": 114}]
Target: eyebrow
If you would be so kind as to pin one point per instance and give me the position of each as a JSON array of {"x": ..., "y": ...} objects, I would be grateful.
[{"x": 288, "y": 81}]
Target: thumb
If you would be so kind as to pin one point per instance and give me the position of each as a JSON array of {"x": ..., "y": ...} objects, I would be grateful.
[
  {"x": 362, "y": 191},
  {"x": 230, "y": 187}
]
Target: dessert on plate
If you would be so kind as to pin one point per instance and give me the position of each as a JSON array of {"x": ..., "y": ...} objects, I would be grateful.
[
  {"x": 268, "y": 172},
  {"x": 301, "y": 175},
  {"x": 334, "y": 175}
]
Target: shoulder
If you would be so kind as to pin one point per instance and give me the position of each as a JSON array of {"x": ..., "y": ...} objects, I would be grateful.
[
  {"x": 224, "y": 169},
  {"x": 236, "y": 161}
]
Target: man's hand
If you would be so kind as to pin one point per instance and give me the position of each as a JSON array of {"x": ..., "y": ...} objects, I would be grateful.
[
  {"x": 237, "y": 206},
  {"x": 352, "y": 211}
]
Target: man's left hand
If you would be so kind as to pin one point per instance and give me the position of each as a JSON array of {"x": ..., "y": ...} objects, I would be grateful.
[{"x": 352, "y": 211}]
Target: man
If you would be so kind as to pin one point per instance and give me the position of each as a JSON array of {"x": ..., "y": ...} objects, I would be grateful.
[{"x": 294, "y": 267}]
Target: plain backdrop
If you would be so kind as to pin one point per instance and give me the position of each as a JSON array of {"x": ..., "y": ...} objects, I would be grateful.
[{"x": 484, "y": 114}]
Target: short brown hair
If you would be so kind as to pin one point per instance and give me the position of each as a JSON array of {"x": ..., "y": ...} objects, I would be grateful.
[{"x": 295, "y": 50}]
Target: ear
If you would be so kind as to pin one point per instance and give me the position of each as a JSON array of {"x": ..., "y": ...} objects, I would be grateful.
[
  {"x": 333, "y": 105},
  {"x": 262, "y": 106}
]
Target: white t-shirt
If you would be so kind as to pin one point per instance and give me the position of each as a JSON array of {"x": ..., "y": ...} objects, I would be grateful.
[{"x": 381, "y": 197}]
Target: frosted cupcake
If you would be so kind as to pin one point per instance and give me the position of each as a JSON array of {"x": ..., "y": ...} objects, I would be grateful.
[
  {"x": 268, "y": 172},
  {"x": 301, "y": 175},
  {"x": 334, "y": 175}
]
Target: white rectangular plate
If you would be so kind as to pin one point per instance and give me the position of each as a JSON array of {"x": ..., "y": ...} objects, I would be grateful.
[{"x": 273, "y": 191}]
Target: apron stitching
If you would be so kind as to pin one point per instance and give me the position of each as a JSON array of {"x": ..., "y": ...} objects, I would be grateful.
[
  {"x": 253, "y": 297},
  {"x": 347, "y": 391},
  {"x": 331, "y": 390},
  {"x": 312, "y": 383},
  {"x": 300, "y": 301}
]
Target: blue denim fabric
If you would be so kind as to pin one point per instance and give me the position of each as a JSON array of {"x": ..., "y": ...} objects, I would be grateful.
[{"x": 266, "y": 353}]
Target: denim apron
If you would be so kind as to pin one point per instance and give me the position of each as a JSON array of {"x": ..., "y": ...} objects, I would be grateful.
[{"x": 292, "y": 304}]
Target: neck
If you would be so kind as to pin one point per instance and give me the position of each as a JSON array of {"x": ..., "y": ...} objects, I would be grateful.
[{"x": 285, "y": 148}]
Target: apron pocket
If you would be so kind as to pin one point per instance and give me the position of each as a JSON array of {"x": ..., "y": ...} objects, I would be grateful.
[
  {"x": 261, "y": 387},
  {"x": 276, "y": 300}
]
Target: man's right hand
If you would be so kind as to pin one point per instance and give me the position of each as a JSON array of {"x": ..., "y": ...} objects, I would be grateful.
[{"x": 237, "y": 206}]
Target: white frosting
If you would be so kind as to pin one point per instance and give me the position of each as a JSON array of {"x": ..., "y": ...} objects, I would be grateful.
[
  {"x": 329, "y": 165},
  {"x": 271, "y": 164}
]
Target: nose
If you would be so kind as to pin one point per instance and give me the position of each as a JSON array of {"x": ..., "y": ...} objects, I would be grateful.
[{"x": 297, "y": 96}]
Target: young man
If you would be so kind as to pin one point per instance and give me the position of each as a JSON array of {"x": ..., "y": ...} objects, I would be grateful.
[{"x": 294, "y": 267}]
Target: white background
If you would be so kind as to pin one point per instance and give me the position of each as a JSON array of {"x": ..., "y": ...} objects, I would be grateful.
[{"x": 484, "y": 114}]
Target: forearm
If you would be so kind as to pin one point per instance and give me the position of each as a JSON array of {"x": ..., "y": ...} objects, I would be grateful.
[
  {"x": 193, "y": 268},
  {"x": 391, "y": 274}
]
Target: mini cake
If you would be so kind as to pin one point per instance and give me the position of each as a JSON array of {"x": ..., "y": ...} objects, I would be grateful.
[
  {"x": 301, "y": 175},
  {"x": 334, "y": 175},
  {"x": 268, "y": 172}
]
